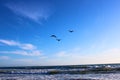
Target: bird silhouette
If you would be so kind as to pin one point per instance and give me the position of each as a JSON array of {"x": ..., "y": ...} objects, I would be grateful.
[
  {"x": 70, "y": 31},
  {"x": 54, "y": 36}
]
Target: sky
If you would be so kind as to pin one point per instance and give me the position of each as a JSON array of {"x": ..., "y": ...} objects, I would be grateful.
[{"x": 26, "y": 28}]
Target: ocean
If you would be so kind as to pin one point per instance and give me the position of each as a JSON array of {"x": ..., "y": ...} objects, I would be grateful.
[{"x": 68, "y": 72}]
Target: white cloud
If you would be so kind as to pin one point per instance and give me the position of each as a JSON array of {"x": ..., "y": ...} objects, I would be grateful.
[
  {"x": 34, "y": 10},
  {"x": 9, "y": 42},
  {"x": 22, "y": 52},
  {"x": 20, "y": 45},
  {"x": 4, "y": 57},
  {"x": 26, "y": 48}
]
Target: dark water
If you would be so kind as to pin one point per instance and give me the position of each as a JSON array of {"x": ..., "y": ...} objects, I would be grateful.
[{"x": 71, "y": 72}]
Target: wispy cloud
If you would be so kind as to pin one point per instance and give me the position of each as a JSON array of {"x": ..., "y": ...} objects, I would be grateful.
[
  {"x": 22, "y": 52},
  {"x": 4, "y": 57},
  {"x": 35, "y": 10},
  {"x": 25, "y": 48},
  {"x": 9, "y": 42},
  {"x": 20, "y": 45}
]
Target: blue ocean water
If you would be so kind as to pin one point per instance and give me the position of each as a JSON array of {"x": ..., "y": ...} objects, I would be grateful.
[{"x": 71, "y": 72}]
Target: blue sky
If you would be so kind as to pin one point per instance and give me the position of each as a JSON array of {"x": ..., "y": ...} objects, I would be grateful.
[{"x": 26, "y": 27}]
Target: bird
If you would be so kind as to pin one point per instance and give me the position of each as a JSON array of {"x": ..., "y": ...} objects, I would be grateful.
[
  {"x": 54, "y": 36},
  {"x": 58, "y": 39},
  {"x": 70, "y": 31}
]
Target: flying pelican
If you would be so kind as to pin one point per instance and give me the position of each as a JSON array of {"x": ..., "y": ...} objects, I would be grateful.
[{"x": 54, "y": 36}]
